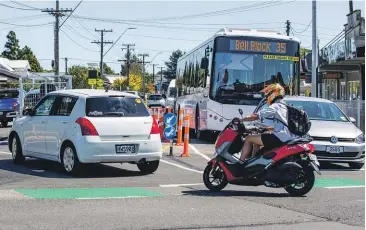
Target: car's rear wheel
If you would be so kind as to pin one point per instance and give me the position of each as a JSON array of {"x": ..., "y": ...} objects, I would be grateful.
[
  {"x": 16, "y": 150},
  {"x": 148, "y": 166},
  {"x": 69, "y": 159},
  {"x": 354, "y": 165}
]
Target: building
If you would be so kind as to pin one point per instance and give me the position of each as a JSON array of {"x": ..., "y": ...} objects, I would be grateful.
[{"x": 12, "y": 70}]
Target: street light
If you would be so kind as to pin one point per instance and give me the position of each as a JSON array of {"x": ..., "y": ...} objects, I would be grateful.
[{"x": 129, "y": 28}]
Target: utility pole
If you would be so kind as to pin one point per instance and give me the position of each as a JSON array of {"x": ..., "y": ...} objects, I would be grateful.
[
  {"x": 314, "y": 52},
  {"x": 143, "y": 71},
  {"x": 66, "y": 65},
  {"x": 350, "y": 6},
  {"x": 57, "y": 13},
  {"x": 161, "y": 78},
  {"x": 102, "y": 43},
  {"x": 128, "y": 61},
  {"x": 288, "y": 26},
  {"x": 154, "y": 74}
]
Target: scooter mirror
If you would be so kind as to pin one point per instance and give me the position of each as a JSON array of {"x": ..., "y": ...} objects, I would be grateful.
[{"x": 241, "y": 112}]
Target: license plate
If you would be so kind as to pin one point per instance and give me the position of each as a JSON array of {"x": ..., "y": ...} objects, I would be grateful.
[
  {"x": 334, "y": 149},
  {"x": 125, "y": 149}
]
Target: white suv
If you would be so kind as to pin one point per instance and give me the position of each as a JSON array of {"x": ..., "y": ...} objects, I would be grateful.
[{"x": 88, "y": 126}]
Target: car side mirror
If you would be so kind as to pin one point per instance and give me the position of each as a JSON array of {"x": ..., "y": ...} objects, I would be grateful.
[
  {"x": 29, "y": 112},
  {"x": 352, "y": 120},
  {"x": 204, "y": 63}
]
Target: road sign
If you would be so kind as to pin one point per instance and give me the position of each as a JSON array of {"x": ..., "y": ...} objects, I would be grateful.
[
  {"x": 100, "y": 82},
  {"x": 169, "y": 132},
  {"x": 170, "y": 119},
  {"x": 92, "y": 81}
]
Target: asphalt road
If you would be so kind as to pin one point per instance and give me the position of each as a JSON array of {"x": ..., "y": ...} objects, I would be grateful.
[{"x": 38, "y": 195}]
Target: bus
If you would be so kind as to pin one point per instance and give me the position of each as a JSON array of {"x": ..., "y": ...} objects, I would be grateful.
[{"x": 227, "y": 71}]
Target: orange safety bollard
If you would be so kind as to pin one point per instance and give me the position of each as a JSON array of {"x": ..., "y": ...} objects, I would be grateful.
[
  {"x": 185, "y": 152},
  {"x": 155, "y": 114},
  {"x": 161, "y": 122},
  {"x": 180, "y": 128}
]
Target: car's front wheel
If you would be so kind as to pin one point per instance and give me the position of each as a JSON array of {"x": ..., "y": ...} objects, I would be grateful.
[
  {"x": 148, "y": 166},
  {"x": 16, "y": 150},
  {"x": 69, "y": 159},
  {"x": 354, "y": 165}
]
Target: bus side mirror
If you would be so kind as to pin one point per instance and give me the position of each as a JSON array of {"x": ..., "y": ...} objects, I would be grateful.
[{"x": 204, "y": 63}]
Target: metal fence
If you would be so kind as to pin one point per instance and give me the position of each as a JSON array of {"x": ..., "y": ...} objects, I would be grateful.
[{"x": 355, "y": 109}]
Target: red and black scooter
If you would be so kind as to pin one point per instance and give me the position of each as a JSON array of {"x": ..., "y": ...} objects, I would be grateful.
[{"x": 290, "y": 166}]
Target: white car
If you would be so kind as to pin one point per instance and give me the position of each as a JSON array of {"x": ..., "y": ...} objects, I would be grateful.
[
  {"x": 81, "y": 126},
  {"x": 156, "y": 100}
]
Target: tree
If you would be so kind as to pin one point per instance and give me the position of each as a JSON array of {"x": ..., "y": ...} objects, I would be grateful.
[
  {"x": 27, "y": 54},
  {"x": 134, "y": 65},
  {"x": 303, "y": 51},
  {"x": 80, "y": 77},
  {"x": 135, "y": 82},
  {"x": 172, "y": 64},
  {"x": 107, "y": 69},
  {"x": 120, "y": 84},
  {"x": 11, "y": 51}
]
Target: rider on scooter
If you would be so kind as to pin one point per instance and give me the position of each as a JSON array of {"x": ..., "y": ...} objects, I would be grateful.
[{"x": 276, "y": 112}]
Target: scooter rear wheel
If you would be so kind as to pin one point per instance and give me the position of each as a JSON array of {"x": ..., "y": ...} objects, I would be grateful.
[{"x": 218, "y": 172}]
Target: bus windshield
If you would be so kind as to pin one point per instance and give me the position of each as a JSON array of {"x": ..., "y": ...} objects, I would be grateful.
[{"x": 244, "y": 66}]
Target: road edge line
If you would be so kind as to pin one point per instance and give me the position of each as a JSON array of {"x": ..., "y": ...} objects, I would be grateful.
[
  {"x": 195, "y": 150},
  {"x": 354, "y": 186},
  {"x": 178, "y": 185},
  {"x": 180, "y": 166}
]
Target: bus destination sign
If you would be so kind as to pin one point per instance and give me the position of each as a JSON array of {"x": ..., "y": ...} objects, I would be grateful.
[{"x": 258, "y": 46}]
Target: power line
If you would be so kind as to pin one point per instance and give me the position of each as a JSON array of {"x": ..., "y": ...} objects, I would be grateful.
[
  {"x": 217, "y": 13},
  {"x": 84, "y": 27},
  {"x": 76, "y": 32},
  {"x": 18, "y": 8},
  {"x": 76, "y": 42},
  {"x": 71, "y": 13},
  {"x": 22, "y": 4},
  {"x": 18, "y": 19},
  {"x": 303, "y": 30},
  {"x": 25, "y": 25}
]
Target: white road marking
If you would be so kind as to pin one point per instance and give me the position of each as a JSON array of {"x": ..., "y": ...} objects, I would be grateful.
[
  {"x": 8, "y": 153},
  {"x": 178, "y": 185},
  {"x": 343, "y": 170},
  {"x": 355, "y": 186},
  {"x": 199, "y": 153},
  {"x": 180, "y": 166}
]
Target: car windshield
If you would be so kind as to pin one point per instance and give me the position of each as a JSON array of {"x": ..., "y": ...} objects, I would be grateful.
[
  {"x": 155, "y": 97},
  {"x": 9, "y": 94},
  {"x": 322, "y": 111},
  {"x": 115, "y": 106}
]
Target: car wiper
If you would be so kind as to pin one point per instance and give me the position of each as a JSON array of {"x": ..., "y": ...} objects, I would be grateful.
[{"x": 119, "y": 114}]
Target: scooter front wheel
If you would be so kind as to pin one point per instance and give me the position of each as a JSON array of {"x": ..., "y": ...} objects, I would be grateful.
[{"x": 210, "y": 176}]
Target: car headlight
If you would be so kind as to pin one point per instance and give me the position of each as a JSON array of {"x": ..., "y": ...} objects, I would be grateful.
[{"x": 360, "y": 139}]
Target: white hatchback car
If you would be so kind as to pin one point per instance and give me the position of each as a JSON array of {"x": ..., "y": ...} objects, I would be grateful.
[{"x": 88, "y": 126}]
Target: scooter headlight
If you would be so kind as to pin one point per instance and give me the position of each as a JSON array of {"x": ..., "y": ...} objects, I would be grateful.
[{"x": 360, "y": 139}]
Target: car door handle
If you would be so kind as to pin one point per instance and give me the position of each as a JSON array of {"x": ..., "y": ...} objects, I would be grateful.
[{"x": 64, "y": 122}]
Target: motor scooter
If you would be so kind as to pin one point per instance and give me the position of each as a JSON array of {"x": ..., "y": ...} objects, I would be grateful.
[{"x": 290, "y": 166}]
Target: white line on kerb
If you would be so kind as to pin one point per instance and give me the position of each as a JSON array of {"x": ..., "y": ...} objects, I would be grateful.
[
  {"x": 180, "y": 166},
  {"x": 199, "y": 153},
  {"x": 355, "y": 186},
  {"x": 178, "y": 185}
]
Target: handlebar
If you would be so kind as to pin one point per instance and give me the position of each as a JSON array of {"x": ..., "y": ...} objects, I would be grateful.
[{"x": 238, "y": 125}]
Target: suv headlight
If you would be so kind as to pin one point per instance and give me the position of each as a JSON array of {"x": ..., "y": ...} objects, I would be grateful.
[{"x": 360, "y": 139}]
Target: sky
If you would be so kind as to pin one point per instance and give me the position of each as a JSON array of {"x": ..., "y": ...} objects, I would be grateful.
[{"x": 160, "y": 25}]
